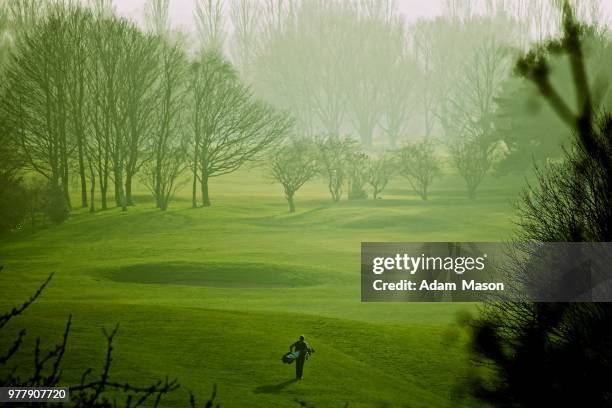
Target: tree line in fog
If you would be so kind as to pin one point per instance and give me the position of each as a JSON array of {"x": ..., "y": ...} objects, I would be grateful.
[{"x": 345, "y": 90}]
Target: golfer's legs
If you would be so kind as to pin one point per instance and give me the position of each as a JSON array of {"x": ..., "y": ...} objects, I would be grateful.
[{"x": 299, "y": 368}]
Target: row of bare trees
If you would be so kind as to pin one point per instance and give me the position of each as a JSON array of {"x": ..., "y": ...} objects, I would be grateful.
[
  {"x": 89, "y": 94},
  {"x": 358, "y": 67},
  {"x": 341, "y": 67},
  {"x": 347, "y": 170}
]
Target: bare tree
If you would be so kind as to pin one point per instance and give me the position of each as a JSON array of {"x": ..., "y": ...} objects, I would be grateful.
[
  {"x": 165, "y": 145},
  {"x": 472, "y": 156},
  {"x": 357, "y": 170},
  {"x": 327, "y": 93},
  {"x": 199, "y": 92},
  {"x": 292, "y": 165},
  {"x": 36, "y": 103},
  {"x": 419, "y": 165},
  {"x": 210, "y": 24},
  {"x": 442, "y": 45},
  {"x": 98, "y": 101},
  {"x": 381, "y": 169},
  {"x": 78, "y": 66},
  {"x": 22, "y": 16},
  {"x": 157, "y": 16},
  {"x": 230, "y": 126},
  {"x": 303, "y": 60},
  {"x": 141, "y": 72},
  {"x": 91, "y": 158},
  {"x": 245, "y": 17},
  {"x": 170, "y": 94},
  {"x": 333, "y": 154},
  {"x": 108, "y": 88},
  {"x": 277, "y": 14},
  {"x": 424, "y": 48},
  {"x": 102, "y": 8},
  {"x": 163, "y": 176},
  {"x": 399, "y": 97},
  {"x": 99, "y": 145},
  {"x": 372, "y": 59},
  {"x": 472, "y": 110}
]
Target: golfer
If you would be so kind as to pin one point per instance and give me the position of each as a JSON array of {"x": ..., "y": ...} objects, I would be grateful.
[{"x": 302, "y": 347}]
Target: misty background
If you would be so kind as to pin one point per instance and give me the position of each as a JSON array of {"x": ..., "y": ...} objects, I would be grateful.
[{"x": 430, "y": 45}]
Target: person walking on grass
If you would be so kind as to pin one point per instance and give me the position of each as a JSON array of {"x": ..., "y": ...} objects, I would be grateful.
[{"x": 302, "y": 347}]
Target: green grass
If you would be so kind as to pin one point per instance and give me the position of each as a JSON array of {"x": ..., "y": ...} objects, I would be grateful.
[{"x": 216, "y": 295}]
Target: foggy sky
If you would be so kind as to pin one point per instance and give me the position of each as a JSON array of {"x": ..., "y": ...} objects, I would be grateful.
[{"x": 181, "y": 11}]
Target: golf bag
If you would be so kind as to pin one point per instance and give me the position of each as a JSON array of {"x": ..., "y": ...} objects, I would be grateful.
[{"x": 290, "y": 357}]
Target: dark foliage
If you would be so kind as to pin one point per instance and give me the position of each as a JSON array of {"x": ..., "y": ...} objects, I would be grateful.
[
  {"x": 29, "y": 205},
  {"x": 55, "y": 206},
  {"x": 556, "y": 354},
  {"x": 13, "y": 194},
  {"x": 530, "y": 128},
  {"x": 13, "y": 200}
]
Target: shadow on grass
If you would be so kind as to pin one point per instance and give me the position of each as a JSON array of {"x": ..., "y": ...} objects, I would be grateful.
[{"x": 273, "y": 389}]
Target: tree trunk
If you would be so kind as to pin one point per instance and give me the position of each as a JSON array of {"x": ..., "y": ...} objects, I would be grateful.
[
  {"x": 194, "y": 189},
  {"x": 128, "y": 189},
  {"x": 205, "y": 195},
  {"x": 335, "y": 192},
  {"x": 471, "y": 193},
  {"x": 66, "y": 188},
  {"x": 66, "y": 194},
  {"x": 65, "y": 174},
  {"x": 336, "y": 196},
  {"x": 103, "y": 191},
  {"x": 365, "y": 133},
  {"x": 291, "y": 203},
  {"x": 428, "y": 124},
  {"x": 119, "y": 193},
  {"x": 158, "y": 175},
  {"x": 393, "y": 135},
  {"x": 117, "y": 184},
  {"x": 92, "y": 203},
  {"x": 82, "y": 174}
]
